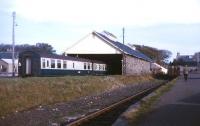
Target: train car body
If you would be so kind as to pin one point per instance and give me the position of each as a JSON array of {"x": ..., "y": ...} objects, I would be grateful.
[{"x": 38, "y": 64}]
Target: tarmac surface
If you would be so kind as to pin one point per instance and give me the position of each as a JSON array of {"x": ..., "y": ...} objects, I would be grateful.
[{"x": 178, "y": 107}]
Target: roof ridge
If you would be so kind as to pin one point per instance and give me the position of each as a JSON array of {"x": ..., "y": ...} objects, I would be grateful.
[
  {"x": 106, "y": 40},
  {"x": 124, "y": 48}
]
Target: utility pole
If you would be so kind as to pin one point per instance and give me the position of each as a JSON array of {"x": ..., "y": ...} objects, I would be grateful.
[
  {"x": 123, "y": 35},
  {"x": 124, "y": 57},
  {"x": 13, "y": 44}
]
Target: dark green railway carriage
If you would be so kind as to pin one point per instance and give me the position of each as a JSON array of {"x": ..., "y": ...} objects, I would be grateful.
[{"x": 39, "y": 64}]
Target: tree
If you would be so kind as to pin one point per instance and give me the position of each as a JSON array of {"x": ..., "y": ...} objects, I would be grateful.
[
  {"x": 39, "y": 47},
  {"x": 159, "y": 56},
  {"x": 44, "y": 47}
]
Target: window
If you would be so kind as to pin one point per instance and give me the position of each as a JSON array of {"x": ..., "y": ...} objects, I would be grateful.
[
  {"x": 88, "y": 66},
  {"x": 52, "y": 63},
  {"x": 59, "y": 64},
  {"x": 84, "y": 66},
  {"x": 100, "y": 67},
  {"x": 43, "y": 63},
  {"x": 64, "y": 64},
  {"x": 73, "y": 65},
  {"x": 48, "y": 63}
]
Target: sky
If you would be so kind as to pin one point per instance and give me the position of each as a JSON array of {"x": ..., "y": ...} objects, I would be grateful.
[{"x": 173, "y": 25}]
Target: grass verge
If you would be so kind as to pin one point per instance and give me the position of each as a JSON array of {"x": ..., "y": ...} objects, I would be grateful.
[
  {"x": 17, "y": 94},
  {"x": 146, "y": 105}
]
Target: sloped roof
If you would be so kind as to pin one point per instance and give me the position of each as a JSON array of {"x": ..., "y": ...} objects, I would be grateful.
[
  {"x": 123, "y": 48},
  {"x": 7, "y": 55},
  {"x": 56, "y": 56}
]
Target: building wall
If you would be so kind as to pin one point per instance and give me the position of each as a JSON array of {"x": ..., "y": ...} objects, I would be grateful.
[
  {"x": 3, "y": 66},
  {"x": 6, "y": 67},
  {"x": 136, "y": 66},
  {"x": 9, "y": 62},
  {"x": 91, "y": 44}
]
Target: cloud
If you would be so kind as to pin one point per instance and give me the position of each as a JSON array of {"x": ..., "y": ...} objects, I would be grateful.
[{"x": 110, "y": 12}]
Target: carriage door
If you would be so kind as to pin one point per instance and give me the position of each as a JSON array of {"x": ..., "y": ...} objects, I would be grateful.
[{"x": 28, "y": 66}]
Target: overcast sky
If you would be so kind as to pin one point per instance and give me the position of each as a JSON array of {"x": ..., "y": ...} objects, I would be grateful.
[{"x": 165, "y": 24}]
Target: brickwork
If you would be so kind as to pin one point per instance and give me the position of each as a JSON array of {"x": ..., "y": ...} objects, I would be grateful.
[{"x": 136, "y": 66}]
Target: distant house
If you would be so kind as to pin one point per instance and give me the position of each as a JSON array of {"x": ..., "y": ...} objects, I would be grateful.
[
  {"x": 185, "y": 58},
  {"x": 6, "y": 64},
  {"x": 104, "y": 46},
  {"x": 190, "y": 60}
]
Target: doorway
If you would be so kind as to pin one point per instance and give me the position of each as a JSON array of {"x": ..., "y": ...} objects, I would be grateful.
[{"x": 28, "y": 66}]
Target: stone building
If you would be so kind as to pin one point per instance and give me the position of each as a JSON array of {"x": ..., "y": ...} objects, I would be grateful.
[{"x": 120, "y": 58}]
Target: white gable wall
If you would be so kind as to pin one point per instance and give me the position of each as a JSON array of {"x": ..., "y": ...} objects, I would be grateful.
[
  {"x": 9, "y": 67},
  {"x": 91, "y": 45}
]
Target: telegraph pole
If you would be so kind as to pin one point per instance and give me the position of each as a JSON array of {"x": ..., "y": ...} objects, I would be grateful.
[
  {"x": 13, "y": 44},
  {"x": 124, "y": 58},
  {"x": 123, "y": 35}
]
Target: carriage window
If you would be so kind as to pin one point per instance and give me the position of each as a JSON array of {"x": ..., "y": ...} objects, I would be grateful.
[
  {"x": 100, "y": 67},
  {"x": 58, "y": 63},
  {"x": 84, "y": 66},
  {"x": 73, "y": 65},
  {"x": 65, "y": 64},
  {"x": 52, "y": 63},
  {"x": 43, "y": 63},
  {"x": 88, "y": 66},
  {"x": 47, "y": 63}
]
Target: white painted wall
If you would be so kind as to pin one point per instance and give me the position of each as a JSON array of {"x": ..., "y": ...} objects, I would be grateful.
[
  {"x": 156, "y": 66},
  {"x": 9, "y": 67},
  {"x": 78, "y": 65},
  {"x": 91, "y": 44}
]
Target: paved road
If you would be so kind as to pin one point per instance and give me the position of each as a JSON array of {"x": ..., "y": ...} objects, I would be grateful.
[{"x": 179, "y": 107}]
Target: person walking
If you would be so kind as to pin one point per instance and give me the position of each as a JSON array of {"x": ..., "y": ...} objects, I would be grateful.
[{"x": 185, "y": 72}]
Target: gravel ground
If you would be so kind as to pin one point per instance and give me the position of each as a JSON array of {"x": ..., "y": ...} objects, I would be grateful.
[{"x": 53, "y": 115}]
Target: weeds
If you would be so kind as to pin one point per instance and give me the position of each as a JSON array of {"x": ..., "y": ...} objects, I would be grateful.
[{"x": 17, "y": 94}]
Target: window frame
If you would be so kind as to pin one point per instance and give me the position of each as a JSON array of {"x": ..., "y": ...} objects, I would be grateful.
[
  {"x": 59, "y": 64},
  {"x": 64, "y": 64},
  {"x": 43, "y": 63},
  {"x": 85, "y": 66},
  {"x": 53, "y": 63},
  {"x": 88, "y": 66}
]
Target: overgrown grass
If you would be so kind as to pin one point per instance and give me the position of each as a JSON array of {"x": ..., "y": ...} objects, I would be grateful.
[
  {"x": 147, "y": 105},
  {"x": 17, "y": 94}
]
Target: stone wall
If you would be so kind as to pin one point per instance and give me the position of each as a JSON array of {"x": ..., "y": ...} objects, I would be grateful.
[{"x": 136, "y": 66}]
